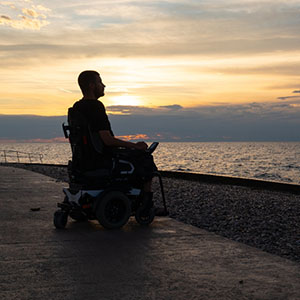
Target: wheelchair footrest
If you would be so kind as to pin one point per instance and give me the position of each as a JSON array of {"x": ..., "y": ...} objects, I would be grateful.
[{"x": 64, "y": 206}]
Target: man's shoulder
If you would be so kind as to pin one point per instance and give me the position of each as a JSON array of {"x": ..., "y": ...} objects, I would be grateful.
[
  {"x": 100, "y": 104},
  {"x": 89, "y": 103}
]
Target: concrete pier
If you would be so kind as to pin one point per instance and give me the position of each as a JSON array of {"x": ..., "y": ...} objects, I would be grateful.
[{"x": 167, "y": 260}]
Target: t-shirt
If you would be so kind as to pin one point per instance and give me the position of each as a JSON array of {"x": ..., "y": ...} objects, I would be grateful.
[
  {"x": 87, "y": 158},
  {"x": 94, "y": 112}
]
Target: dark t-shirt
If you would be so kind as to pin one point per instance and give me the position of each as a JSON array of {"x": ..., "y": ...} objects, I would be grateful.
[
  {"x": 88, "y": 158},
  {"x": 94, "y": 112}
]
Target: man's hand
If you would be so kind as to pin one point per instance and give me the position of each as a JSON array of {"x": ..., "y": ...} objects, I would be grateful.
[
  {"x": 141, "y": 146},
  {"x": 111, "y": 141}
]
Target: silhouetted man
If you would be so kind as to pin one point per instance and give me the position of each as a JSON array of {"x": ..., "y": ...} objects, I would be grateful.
[{"x": 93, "y": 110}]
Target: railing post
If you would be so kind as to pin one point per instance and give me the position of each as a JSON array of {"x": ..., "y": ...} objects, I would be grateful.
[
  {"x": 29, "y": 155},
  {"x": 18, "y": 156}
]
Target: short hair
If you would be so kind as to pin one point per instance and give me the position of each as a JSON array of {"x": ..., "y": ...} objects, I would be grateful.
[{"x": 85, "y": 78}]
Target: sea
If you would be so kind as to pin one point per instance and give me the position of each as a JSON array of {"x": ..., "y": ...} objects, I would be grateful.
[{"x": 270, "y": 161}]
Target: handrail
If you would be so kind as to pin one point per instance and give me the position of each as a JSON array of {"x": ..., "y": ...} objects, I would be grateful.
[{"x": 17, "y": 155}]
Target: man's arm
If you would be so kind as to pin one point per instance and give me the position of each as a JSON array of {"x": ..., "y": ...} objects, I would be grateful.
[{"x": 111, "y": 141}]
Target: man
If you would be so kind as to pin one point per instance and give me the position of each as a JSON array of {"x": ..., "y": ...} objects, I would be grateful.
[
  {"x": 93, "y": 110},
  {"x": 92, "y": 88}
]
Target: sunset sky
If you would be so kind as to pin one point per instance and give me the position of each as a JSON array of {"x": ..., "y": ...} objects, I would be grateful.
[{"x": 154, "y": 56}]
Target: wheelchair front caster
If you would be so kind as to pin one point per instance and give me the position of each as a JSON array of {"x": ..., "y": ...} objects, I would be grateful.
[
  {"x": 77, "y": 215},
  {"x": 144, "y": 216},
  {"x": 60, "y": 219},
  {"x": 113, "y": 210}
]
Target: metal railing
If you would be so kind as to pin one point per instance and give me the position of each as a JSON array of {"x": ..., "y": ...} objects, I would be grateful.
[{"x": 19, "y": 156}]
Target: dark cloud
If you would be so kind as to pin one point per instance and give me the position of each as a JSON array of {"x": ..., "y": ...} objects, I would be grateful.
[
  {"x": 30, "y": 127},
  {"x": 245, "y": 122},
  {"x": 290, "y": 97},
  {"x": 172, "y": 107},
  {"x": 5, "y": 17},
  {"x": 287, "y": 97},
  {"x": 249, "y": 122}
]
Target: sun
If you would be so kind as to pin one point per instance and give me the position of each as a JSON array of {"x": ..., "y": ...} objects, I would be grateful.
[{"x": 125, "y": 100}]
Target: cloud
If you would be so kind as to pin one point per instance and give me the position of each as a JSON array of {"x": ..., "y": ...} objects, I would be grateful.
[
  {"x": 130, "y": 109},
  {"x": 23, "y": 23},
  {"x": 288, "y": 97},
  {"x": 142, "y": 110},
  {"x": 268, "y": 67},
  {"x": 5, "y": 18},
  {"x": 172, "y": 107},
  {"x": 233, "y": 36},
  {"x": 65, "y": 91},
  {"x": 30, "y": 127},
  {"x": 133, "y": 137},
  {"x": 244, "y": 122},
  {"x": 28, "y": 18},
  {"x": 41, "y": 8},
  {"x": 7, "y": 3},
  {"x": 170, "y": 28},
  {"x": 32, "y": 13}
]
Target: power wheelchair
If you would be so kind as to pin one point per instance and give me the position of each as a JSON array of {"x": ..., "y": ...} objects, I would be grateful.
[{"x": 108, "y": 194}]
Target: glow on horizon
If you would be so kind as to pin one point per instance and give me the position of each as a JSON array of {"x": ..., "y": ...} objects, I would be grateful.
[
  {"x": 149, "y": 54},
  {"x": 125, "y": 100}
]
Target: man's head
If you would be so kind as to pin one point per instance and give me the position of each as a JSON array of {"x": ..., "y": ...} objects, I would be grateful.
[{"x": 91, "y": 84}]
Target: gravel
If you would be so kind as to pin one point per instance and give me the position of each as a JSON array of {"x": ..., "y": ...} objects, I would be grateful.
[{"x": 268, "y": 220}]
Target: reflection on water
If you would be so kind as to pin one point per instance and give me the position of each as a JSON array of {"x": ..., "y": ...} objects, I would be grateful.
[{"x": 266, "y": 161}]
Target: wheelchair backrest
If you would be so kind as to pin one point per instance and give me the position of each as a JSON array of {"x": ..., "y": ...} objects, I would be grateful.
[{"x": 86, "y": 145}]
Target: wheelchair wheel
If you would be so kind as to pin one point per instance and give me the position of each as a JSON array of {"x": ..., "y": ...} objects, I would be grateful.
[
  {"x": 144, "y": 216},
  {"x": 60, "y": 219},
  {"x": 113, "y": 210}
]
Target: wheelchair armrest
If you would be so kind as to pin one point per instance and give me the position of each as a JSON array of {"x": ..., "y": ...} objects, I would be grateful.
[
  {"x": 97, "y": 173},
  {"x": 125, "y": 152}
]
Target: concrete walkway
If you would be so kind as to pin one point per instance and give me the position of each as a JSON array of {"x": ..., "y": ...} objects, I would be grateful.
[{"x": 168, "y": 260}]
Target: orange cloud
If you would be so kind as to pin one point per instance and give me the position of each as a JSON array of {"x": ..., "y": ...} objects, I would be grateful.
[
  {"x": 32, "y": 13},
  {"x": 132, "y": 137}
]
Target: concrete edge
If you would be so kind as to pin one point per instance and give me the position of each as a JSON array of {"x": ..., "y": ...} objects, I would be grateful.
[
  {"x": 208, "y": 178},
  {"x": 227, "y": 180}
]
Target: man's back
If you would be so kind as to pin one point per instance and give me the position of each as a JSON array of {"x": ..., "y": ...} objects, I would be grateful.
[
  {"x": 94, "y": 111},
  {"x": 86, "y": 153}
]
